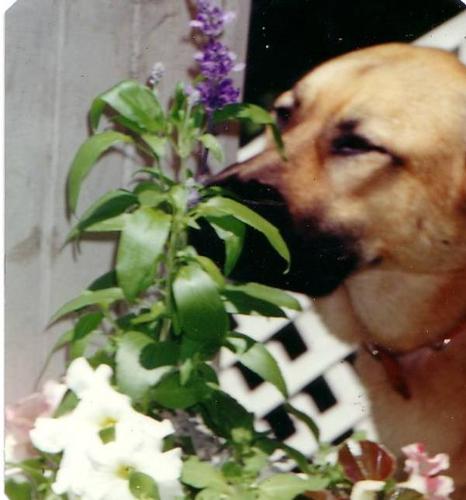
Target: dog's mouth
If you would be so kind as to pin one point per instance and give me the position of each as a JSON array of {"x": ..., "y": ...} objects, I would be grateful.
[{"x": 321, "y": 259}]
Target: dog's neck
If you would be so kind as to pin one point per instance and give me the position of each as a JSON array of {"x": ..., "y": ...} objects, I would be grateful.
[{"x": 404, "y": 311}]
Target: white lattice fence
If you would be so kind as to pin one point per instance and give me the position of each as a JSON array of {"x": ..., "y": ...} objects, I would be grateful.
[
  {"x": 317, "y": 367},
  {"x": 318, "y": 370}
]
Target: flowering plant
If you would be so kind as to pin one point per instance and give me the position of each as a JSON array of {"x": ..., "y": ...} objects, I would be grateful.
[{"x": 142, "y": 415}]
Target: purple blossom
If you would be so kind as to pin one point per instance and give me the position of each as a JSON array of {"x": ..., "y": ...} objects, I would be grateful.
[
  {"x": 215, "y": 95},
  {"x": 215, "y": 60},
  {"x": 210, "y": 19}
]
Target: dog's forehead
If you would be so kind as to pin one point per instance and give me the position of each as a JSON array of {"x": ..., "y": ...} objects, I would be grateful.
[
  {"x": 382, "y": 70},
  {"x": 389, "y": 90}
]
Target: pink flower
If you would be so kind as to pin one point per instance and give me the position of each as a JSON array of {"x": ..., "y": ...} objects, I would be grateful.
[
  {"x": 419, "y": 462},
  {"x": 423, "y": 473},
  {"x": 21, "y": 416}
]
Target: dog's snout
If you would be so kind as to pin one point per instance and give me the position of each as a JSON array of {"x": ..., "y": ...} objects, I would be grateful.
[{"x": 252, "y": 193}]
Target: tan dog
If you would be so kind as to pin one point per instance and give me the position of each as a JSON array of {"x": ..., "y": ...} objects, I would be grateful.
[{"x": 376, "y": 177}]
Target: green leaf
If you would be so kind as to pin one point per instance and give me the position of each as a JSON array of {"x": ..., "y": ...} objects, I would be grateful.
[
  {"x": 64, "y": 339},
  {"x": 156, "y": 310},
  {"x": 16, "y": 490},
  {"x": 210, "y": 267},
  {"x": 143, "y": 486},
  {"x": 106, "y": 280},
  {"x": 34, "y": 470},
  {"x": 132, "y": 378},
  {"x": 159, "y": 354},
  {"x": 288, "y": 486},
  {"x": 103, "y": 297},
  {"x": 268, "y": 294},
  {"x": 255, "y": 460},
  {"x": 179, "y": 195},
  {"x": 107, "y": 434},
  {"x": 152, "y": 197},
  {"x": 199, "y": 306},
  {"x": 269, "y": 445},
  {"x": 232, "y": 232},
  {"x": 108, "y": 206},
  {"x": 252, "y": 113},
  {"x": 157, "y": 144},
  {"x": 156, "y": 173},
  {"x": 211, "y": 143},
  {"x": 186, "y": 370},
  {"x": 306, "y": 419},
  {"x": 128, "y": 124},
  {"x": 87, "y": 324},
  {"x": 214, "y": 494},
  {"x": 224, "y": 415},
  {"x": 204, "y": 350},
  {"x": 141, "y": 244},
  {"x": 258, "y": 359},
  {"x": 87, "y": 155},
  {"x": 78, "y": 348},
  {"x": 116, "y": 223},
  {"x": 68, "y": 404},
  {"x": 171, "y": 393},
  {"x": 178, "y": 104},
  {"x": 202, "y": 475},
  {"x": 220, "y": 206},
  {"x": 95, "y": 113},
  {"x": 243, "y": 111},
  {"x": 241, "y": 303},
  {"x": 135, "y": 102}
]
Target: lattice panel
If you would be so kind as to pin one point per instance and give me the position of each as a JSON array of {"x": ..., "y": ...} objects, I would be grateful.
[{"x": 319, "y": 373}]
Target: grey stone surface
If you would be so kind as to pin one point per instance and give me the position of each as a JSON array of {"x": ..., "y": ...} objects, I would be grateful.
[{"x": 59, "y": 55}]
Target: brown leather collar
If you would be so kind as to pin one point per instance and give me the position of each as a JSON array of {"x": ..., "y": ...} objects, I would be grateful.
[{"x": 391, "y": 359}]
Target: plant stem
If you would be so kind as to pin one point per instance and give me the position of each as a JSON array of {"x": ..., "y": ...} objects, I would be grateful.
[
  {"x": 203, "y": 168},
  {"x": 176, "y": 241}
]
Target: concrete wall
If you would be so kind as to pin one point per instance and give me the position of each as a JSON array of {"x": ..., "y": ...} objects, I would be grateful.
[{"x": 59, "y": 55}]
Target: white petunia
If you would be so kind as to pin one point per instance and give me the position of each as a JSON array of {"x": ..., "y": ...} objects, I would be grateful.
[
  {"x": 112, "y": 464},
  {"x": 91, "y": 469},
  {"x": 366, "y": 490},
  {"x": 80, "y": 377}
]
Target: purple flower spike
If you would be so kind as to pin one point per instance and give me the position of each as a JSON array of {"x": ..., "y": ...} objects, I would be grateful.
[
  {"x": 216, "y": 62},
  {"x": 210, "y": 19},
  {"x": 217, "y": 95}
]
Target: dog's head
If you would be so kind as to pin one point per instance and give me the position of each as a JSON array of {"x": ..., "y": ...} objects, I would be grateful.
[{"x": 375, "y": 175}]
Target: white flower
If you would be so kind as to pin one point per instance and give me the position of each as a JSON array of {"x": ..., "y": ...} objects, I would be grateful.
[
  {"x": 80, "y": 377},
  {"x": 366, "y": 490},
  {"x": 113, "y": 463},
  {"x": 98, "y": 409},
  {"x": 91, "y": 469}
]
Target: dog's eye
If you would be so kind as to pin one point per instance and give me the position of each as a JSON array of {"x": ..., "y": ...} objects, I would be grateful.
[
  {"x": 283, "y": 114},
  {"x": 352, "y": 144}
]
